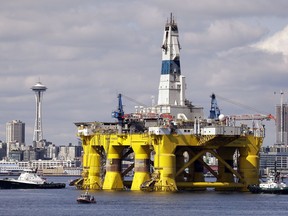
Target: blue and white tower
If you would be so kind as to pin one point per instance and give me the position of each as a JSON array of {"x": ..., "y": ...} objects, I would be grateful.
[
  {"x": 39, "y": 89},
  {"x": 172, "y": 83},
  {"x": 172, "y": 86}
]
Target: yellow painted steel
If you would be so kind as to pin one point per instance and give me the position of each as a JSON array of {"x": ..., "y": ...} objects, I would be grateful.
[
  {"x": 113, "y": 179},
  {"x": 164, "y": 163},
  {"x": 210, "y": 184},
  {"x": 141, "y": 167},
  {"x": 91, "y": 165},
  {"x": 249, "y": 161},
  {"x": 165, "y": 167},
  {"x": 94, "y": 170},
  {"x": 170, "y": 170},
  {"x": 86, "y": 163}
]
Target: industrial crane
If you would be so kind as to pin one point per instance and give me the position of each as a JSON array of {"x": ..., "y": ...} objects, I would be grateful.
[
  {"x": 215, "y": 113},
  {"x": 119, "y": 113}
]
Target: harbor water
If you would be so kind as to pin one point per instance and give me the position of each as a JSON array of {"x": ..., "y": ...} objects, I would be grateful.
[{"x": 63, "y": 202}]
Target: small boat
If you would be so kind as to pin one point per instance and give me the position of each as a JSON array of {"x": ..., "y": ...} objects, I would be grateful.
[
  {"x": 29, "y": 179},
  {"x": 86, "y": 198},
  {"x": 273, "y": 185}
]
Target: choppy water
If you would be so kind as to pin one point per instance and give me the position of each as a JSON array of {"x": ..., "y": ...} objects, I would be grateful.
[{"x": 62, "y": 202}]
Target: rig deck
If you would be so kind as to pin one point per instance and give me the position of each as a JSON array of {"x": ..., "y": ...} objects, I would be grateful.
[{"x": 168, "y": 162}]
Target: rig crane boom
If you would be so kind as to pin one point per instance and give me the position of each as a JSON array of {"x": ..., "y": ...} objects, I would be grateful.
[
  {"x": 215, "y": 114},
  {"x": 260, "y": 117}
]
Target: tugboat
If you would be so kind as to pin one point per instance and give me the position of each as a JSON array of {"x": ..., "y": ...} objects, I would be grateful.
[
  {"x": 29, "y": 179},
  {"x": 86, "y": 198},
  {"x": 273, "y": 185}
]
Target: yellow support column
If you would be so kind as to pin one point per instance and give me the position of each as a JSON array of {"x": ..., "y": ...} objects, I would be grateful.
[
  {"x": 165, "y": 164},
  {"x": 95, "y": 181},
  {"x": 113, "y": 179},
  {"x": 142, "y": 165},
  {"x": 85, "y": 163},
  {"x": 249, "y": 161}
]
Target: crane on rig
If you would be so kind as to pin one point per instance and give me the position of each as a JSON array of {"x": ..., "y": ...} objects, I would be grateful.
[
  {"x": 215, "y": 113},
  {"x": 119, "y": 113}
]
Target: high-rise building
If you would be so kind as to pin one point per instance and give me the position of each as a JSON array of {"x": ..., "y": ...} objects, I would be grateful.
[
  {"x": 52, "y": 151},
  {"x": 66, "y": 153},
  {"x": 15, "y": 132},
  {"x": 282, "y": 124},
  {"x": 15, "y": 135},
  {"x": 39, "y": 89}
]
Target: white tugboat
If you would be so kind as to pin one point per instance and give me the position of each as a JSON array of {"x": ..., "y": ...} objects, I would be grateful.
[
  {"x": 273, "y": 185},
  {"x": 29, "y": 180}
]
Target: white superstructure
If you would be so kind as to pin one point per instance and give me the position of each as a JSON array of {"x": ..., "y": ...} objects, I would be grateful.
[{"x": 172, "y": 85}]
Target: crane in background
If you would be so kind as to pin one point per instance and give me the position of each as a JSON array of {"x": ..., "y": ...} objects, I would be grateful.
[
  {"x": 215, "y": 112},
  {"x": 119, "y": 113}
]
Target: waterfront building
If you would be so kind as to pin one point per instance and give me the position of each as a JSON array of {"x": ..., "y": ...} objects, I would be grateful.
[
  {"x": 43, "y": 164},
  {"x": 29, "y": 154},
  {"x": 274, "y": 155},
  {"x": 16, "y": 155},
  {"x": 47, "y": 167},
  {"x": 10, "y": 167},
  {"x": 60, "y": 171},
  {"x": 69, "y": 152},
  {"x": 52, "y": 151}
]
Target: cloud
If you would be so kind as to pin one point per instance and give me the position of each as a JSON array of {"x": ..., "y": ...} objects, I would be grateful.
[
  {"x": 222, "y": 35},
  {"x": 276, "y": 43}
]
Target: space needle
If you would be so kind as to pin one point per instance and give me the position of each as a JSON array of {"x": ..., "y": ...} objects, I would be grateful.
[{"x": 39, "y": 89}]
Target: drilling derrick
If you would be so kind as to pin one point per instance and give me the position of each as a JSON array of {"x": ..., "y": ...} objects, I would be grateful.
[
  {"x": 166, "y": 147},
  {"x": 171, "y": 85}
]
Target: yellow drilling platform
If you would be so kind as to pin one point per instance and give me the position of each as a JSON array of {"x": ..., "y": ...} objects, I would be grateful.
[{"x": 169, "y": 146}]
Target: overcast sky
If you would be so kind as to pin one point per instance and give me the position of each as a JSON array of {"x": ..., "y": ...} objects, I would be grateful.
[{"x": 86, "y": 52}]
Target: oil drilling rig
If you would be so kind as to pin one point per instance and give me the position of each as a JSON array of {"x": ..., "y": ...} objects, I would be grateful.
[{"x": 166, "y": 143}]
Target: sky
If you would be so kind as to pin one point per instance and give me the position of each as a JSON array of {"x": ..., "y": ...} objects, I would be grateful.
[{"x": 86, "y": 52}]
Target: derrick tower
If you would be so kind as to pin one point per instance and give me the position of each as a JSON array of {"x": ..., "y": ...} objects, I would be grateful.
[
  {"x": 39, "y": 89},
  {"x": 172, "y": 85}
]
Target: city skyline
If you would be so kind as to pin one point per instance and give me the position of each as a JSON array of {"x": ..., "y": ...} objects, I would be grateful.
[{"x": 88, "y": 52}]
